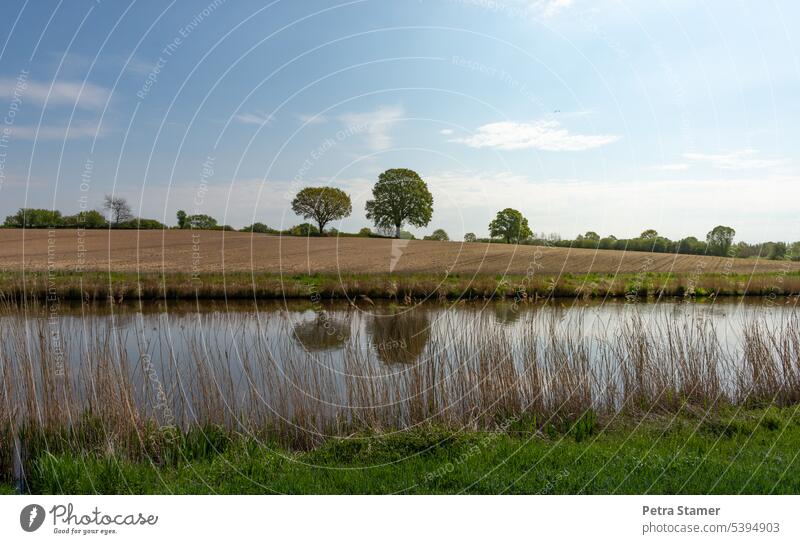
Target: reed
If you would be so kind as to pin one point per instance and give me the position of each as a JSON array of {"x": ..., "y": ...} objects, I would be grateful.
[
  {"x": 127, "y": 286},
  {"x": 83, "y": 386}
]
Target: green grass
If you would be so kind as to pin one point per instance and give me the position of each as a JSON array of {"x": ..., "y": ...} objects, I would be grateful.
[
  {"x": 754, "y": 451},
  {"x": 244, "y": 285}
]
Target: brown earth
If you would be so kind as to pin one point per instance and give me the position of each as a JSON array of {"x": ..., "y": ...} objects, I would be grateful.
[{"x": 215, "y": 251}]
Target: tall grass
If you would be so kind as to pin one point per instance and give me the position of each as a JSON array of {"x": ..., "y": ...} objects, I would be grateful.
[
  {"x": 83, "y": 385},
  {"x": 129, "y": 286}
]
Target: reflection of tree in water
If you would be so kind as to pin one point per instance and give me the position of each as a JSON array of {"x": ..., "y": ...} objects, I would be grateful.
[
  {"x": 507, "y": 313},
  {"x": 399, "y": 338},
  {"x": 322, "y": 333}
]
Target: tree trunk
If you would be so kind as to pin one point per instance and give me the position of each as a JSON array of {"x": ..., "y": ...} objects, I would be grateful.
[
  {"x": 321, "y": 227},
  {"x": 397, "y": 231}
]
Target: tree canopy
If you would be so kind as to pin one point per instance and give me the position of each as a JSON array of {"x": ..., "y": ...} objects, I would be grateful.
[
  {"x": 400, "y": 196},
  {"x": 322, "y": 205},
  {"x": 720, "y": 239},
  {"x": 438, "y": 235},
  {"x": 510, "y": 225},
  {"x": 119, "y": 208}
]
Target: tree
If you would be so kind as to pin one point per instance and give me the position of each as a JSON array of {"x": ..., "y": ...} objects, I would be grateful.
[
  {"x": 322, "y": 204},
  {"x": 510, "y": 225},
  {"x": 88, "y": 219},
  {"x": 304, "y": 229},
  {"x": 260, "y": 228},
  {"x": 201, "y": 222},
  {"x": 400, "y": 197},
  {"x": 439, "y": 235},
  {"x": 365, "y": 232},
  {"x": 119, "y": 208},
  {"x": 719, "y": 239},
  {"x": 470, "y": 237},
  {"x": 181, "y": 219},
  {"x": 649, "y": 234},
  {"x": 794, "y": 251},
  {"x": 592, "y": 235},
  {"x": 31, "y": 218}
]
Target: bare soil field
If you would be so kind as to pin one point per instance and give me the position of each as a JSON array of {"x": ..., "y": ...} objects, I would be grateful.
[{"x": 217, "y": 251}]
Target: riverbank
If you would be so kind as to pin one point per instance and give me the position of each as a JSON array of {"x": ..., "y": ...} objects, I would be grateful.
[
  {"x": 730, "y": 452},
  {"x": 127, "y": 286}
]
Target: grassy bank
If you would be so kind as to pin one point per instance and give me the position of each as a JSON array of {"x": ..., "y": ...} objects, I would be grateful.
[
  {"x": 91, "y": 286},
  {"x": 751, "y": 451}
]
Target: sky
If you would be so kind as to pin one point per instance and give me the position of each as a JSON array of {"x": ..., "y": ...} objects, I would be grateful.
[{"x": 605, "y": 115}]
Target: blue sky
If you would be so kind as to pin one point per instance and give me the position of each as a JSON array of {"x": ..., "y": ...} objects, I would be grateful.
[{"x": 612, "y": 116}]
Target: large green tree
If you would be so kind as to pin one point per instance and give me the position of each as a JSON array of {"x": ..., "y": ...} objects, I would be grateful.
[
  {"x": 719, "y": 240},
  {"x": 400, "y": 197},
  {"x": 510, "y": 225},
  {"x": 322, "y": 204}
]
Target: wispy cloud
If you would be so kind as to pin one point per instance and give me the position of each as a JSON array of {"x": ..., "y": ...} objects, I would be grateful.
[
  {"x": 546, "y": 135},
  {"x": 86, "y": 95},
  {"x": 672, "y": 167},
  {"x": 375, "y": 125},
  {"x": 311, "y": 119},
  {"x": 446, "y": 131},
  {"x": 57, "y": 132},
  {"x": 549, "y": 8},
  {"x": 743, "y": 159},
  {"x": 258, "y": 118}
]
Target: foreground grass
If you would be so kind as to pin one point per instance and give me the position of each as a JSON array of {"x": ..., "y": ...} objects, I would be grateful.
[
  {"x": 121, "y": 286},
  {"x": 733, "y": 452}
]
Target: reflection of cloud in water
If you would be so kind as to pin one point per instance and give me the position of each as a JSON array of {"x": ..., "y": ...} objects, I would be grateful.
[
  {"x": 323, "y": 333},
  {"x": 399, "y": 338}
]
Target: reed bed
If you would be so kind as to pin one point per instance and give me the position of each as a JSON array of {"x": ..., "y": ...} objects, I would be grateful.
[
  {"x": 93, "y": 286},
  {"x": 85, "y": 385}
]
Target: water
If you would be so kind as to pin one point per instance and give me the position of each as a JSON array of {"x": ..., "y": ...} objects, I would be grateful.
[{"x": 185, "y": 360}]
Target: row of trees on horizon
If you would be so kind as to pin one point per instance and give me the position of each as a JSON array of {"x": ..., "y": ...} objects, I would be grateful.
[{"x": 400, "y": 198}]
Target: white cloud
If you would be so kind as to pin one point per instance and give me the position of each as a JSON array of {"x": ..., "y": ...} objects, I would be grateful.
[
  {"x": 254, "y": 118},
  {"x": 68, "y": 132},
  {"x": 672, "y": 167},
  {"x": 446, "y": 131},
  {"x": 375, "y": 125},
  {"x": 546, "y": 135},
  {"x": 307, "y": 119},
  {"x": 743, "y": 159},
  {"x": 86, "y": 95},
  {"x": 549, "y": 8}
]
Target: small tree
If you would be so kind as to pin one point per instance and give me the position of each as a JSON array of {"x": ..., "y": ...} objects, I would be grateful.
[
  {"x": 649, "y": 234},
  {"x": 439, "y": 235},
  {"x": 119, "y": 208},
  {"x": 304, "y": 229},
  {"x": 260, "y": 228},
  {"x": 591, "y": 235},
  {"x": 201, "y": 221},
  {"x": 88, "y": 219},
  {"x": 510, "y": 225},
  {"x": 365, "y": 232},
  {"x": 470, "y": 237},
  {"x": 322, "y": 204},
  {"x": 719, "y": 239},
  {"x": 400, "y": 197},
  {"x": 181, "y": 219}
]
